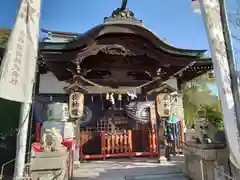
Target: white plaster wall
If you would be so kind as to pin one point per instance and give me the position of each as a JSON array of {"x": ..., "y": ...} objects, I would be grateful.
[
  {"x": 49, "y": 84},
  {"x": 58, "y": 39}
]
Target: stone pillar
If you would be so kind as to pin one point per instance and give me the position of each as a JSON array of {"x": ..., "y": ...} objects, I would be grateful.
[{"x": 160, "y": 130}]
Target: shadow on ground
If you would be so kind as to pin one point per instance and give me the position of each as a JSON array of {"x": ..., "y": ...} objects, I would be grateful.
[{"x": 121, "y": 168}]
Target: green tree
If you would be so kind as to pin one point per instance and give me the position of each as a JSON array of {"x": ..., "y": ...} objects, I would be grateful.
[
  {"x": 195, "y": 94},
  {"x": 4, "y": 35},
  {"x": 214, "y": 115}
]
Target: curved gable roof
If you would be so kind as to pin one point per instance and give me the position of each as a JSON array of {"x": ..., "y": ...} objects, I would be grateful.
[
  {"x": 122, "y": 28},
  {"x": 122, "y": 21}
]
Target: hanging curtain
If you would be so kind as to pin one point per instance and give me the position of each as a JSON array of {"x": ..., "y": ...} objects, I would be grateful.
[{"x": 94, "y": 110}]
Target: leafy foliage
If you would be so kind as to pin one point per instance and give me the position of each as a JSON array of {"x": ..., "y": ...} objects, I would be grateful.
[
  {"x": 4, "y": 35},
  {"x": 214, "y": 115},
  {"x": 196, "y": 94},
  {"x": 189, "y": 107}
]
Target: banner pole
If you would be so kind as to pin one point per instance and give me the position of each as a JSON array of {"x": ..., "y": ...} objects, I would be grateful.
[{"x": 22, "y": 141}]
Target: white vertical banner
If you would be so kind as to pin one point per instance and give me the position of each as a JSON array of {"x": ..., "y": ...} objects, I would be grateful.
[
  {"x": 210, "y": 11},
  {"x": 17, "y": 73}
]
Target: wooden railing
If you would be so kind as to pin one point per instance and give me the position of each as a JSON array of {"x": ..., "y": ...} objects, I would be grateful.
[{"x": 119, "y": 144}]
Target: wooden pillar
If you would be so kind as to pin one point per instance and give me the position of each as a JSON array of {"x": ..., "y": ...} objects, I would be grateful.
[
  {"x": 153, "y": 128},
  {"x": 34, "y": 123},
  {"x": 81, "y": 136},
  {"x": 103, "y": 145},
  {"x": 182, "y": 134},
  {"x": 38, "y": 132},
  {"x": 37, "y": 85},
  {"x": 130, "y": 143}
]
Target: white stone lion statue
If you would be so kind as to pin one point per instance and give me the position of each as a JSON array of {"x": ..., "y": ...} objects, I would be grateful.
[{"x": 51, "y": 140}]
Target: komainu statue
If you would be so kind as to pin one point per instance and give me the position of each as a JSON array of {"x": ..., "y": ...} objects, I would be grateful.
[
  {"x": 51, "y": 140},
  {"x": 206, "y": 131}
]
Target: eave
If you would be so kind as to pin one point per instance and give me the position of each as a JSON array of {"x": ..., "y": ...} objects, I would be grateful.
[
  {"x": 68, "y": 34},
  {"x": 200, "y": 67},
  {"x": 131, "y": 29}
]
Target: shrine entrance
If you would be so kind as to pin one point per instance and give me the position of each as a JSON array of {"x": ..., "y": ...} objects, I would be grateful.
[
  {"x": 115, "y": 135},
  {"x": 123, "y": 71},
  {"x": 108, "y": 131}
]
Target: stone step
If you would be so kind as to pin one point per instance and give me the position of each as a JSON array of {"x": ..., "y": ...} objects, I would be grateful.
[
  {"x": 161, "y": 176},
  {"x": 177, "y": 158}
]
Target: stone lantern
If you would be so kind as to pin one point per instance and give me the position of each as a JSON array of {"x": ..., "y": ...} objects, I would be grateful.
[{"x": 76, "y": 93}]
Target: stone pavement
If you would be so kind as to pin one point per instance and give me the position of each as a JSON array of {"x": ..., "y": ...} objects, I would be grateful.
[{"x": 120, "y": 169}]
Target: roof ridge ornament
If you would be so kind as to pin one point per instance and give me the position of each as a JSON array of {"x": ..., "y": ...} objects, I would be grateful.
[
  {"x": 124, "y": 5},
  {"x": 122, "y": 14}
]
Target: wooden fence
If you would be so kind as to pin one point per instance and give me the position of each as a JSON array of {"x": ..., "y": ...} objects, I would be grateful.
[{"x": 102, "y": 145}]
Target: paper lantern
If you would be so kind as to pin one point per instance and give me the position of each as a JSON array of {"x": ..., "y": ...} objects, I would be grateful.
[{"x": 76, "y": 105}]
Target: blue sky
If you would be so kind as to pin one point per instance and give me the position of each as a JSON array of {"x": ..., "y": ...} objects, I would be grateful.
[
  {"x": 174, "y": 21},
  {"x": 171, "y": 19}
]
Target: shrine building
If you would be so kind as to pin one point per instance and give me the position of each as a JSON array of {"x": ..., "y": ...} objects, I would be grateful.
[{"x": 120, "y": 60}]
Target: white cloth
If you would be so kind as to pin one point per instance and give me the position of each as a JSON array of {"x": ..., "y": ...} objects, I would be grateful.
[{"x": 17, "y": 73}]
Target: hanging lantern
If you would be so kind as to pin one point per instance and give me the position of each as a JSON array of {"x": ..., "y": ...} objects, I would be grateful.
[
  {"x": 76, "y": 105},
  {"x": 162, "y": 103}
]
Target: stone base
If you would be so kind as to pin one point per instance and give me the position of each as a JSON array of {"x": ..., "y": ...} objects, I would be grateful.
[
  {"x": 200, "y": 162},
  {"x": 162, "y": 160},
  {"x": 45, "y": 165},
  {"x": 234, "y": 171},
  {"x": 76, "y": 164}
]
